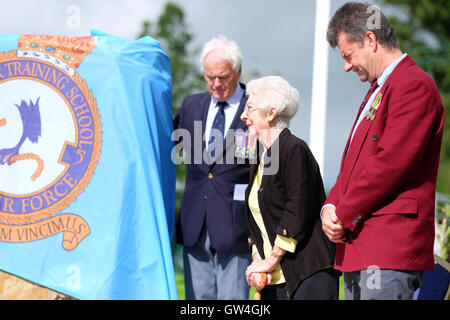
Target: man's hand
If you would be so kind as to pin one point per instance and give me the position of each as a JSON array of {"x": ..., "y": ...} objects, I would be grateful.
[{"x": 332, "y": 226}]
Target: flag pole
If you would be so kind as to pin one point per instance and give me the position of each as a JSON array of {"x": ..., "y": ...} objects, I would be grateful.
[{"x": 320, "y": 84}]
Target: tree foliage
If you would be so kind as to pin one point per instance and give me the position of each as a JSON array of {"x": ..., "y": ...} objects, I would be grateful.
[
  {"x": 171, "y": 31},
  {"x": 423, "y": 33}
]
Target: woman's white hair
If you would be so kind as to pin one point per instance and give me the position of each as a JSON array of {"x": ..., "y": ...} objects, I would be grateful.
[
  {"x": 275, "y": 92},
  {"x": 229, "y": 50}
]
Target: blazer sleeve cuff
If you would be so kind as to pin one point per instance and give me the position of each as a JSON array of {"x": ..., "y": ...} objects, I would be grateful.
[
  {"x": 350, "y": 222},
  {"x": 288, "y": 244},
  {"x": 283, "y": 232}
]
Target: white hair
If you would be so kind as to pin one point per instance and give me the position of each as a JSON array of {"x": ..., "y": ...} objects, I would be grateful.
[
  {"x": 276, "y": 92},
  {"x": 229, "y": 50}
]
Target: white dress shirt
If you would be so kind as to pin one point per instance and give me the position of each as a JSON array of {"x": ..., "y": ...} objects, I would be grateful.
[{"x": 230, "y": 111}]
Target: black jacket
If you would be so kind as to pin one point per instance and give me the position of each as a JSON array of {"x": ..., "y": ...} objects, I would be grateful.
[{"x": 290, "y": 202}]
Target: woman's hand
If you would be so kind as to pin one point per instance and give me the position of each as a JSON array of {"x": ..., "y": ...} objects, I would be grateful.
[
  {"x": 260, "y": 266},
  {"x": 263, "y": 265},
  {"x": 258, "y": 280}
]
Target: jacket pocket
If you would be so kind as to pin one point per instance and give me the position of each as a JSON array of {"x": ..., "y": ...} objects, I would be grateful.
[{"x": 399, "y": 206}]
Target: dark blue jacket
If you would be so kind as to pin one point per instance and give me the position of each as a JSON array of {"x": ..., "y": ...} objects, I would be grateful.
[{"x": 208, "y": 193}]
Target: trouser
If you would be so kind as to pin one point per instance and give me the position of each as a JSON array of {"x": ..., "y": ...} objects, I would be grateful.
[
  {"x": 213, "y": 275},
  {"x": 381, "y": 284},
  {"x": 322, "y": 285}
]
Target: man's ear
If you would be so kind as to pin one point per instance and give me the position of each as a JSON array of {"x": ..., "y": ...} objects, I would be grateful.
[{"x": 370, "y": 40}]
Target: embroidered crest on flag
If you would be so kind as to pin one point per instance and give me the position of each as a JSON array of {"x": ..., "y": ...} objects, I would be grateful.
[{"x": 50, "y": 138}]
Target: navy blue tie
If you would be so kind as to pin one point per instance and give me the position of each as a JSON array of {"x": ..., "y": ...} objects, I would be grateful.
[{"x": 218, "y": 124}]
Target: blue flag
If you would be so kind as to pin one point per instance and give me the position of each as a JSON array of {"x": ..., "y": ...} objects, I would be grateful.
[{"x": 87, "y": 185}]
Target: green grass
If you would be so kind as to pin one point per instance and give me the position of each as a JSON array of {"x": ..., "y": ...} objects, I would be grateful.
[
  {"x": 341, "y": 288},
  {"x": 179, "y": 278}
]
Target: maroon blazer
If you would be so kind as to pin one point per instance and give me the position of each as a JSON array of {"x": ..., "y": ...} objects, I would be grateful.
[{"x": 385, "y": 190}]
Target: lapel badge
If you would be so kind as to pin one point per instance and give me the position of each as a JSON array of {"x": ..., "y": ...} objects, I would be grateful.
[{"x": 370, "y": 115}]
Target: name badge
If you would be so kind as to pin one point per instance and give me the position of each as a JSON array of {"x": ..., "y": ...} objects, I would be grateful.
[{"x": 239, "y": 192}]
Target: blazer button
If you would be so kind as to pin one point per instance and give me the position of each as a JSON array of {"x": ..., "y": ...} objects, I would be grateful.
[
  {"x": 284, "y": 232},
  {"x": 210, "y": 176},
  {"x": 205, "y": 198}
]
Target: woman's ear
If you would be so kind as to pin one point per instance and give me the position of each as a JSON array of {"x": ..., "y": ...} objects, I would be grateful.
[{"x": 271, "y": 115}]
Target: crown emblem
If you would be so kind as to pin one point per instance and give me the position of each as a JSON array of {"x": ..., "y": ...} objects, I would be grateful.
[{"x": 66, "y": 53}]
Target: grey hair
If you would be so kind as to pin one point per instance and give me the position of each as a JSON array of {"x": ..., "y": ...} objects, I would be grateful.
[
  {"x": 276, "y": 92},
  {"x": 228, "y": 49},
  {"x": 356, "y": 19}
]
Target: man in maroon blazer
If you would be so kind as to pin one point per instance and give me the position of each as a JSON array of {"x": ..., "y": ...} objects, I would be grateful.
[{"x": 380, "y": 212}]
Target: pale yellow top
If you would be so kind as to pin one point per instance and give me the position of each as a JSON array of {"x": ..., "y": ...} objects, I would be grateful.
[{"x": 288, "y": 244}]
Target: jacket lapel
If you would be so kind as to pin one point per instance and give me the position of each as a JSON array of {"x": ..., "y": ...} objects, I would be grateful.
[
  {"x": 355, "y": 149},
  {"x": 253, "y": 173},
  {"x": 202, "y": 109},
  {"x": 347, "y": 145}
]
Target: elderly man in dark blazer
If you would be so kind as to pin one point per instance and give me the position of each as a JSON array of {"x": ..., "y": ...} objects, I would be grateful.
[{"x": 212, "y": 226}]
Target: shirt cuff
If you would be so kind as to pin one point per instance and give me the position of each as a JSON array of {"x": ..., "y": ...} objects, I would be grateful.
[
  {"x": 288, "y": 244},
  {"x": 326, "y": 205}
]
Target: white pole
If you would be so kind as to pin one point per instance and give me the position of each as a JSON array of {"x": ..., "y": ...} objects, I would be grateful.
[{"x": 320, "y": 84}]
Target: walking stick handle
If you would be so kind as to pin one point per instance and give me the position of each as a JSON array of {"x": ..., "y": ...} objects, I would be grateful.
[{"x": 262, "y": 283}]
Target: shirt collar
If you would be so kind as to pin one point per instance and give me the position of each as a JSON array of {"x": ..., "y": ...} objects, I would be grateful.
[
  {"x": 234, "y": 99},
  {"x": 387, "y": 72}
]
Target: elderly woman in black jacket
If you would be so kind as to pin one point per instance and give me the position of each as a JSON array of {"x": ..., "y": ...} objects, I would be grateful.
[{"x": 284, "y": 198}]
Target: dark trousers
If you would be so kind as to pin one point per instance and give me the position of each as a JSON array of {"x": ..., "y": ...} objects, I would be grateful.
[{"x": 322, "y": 285}]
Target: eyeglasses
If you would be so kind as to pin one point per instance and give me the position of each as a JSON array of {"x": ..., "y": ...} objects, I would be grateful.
[{"x": 249, "y": 109}]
